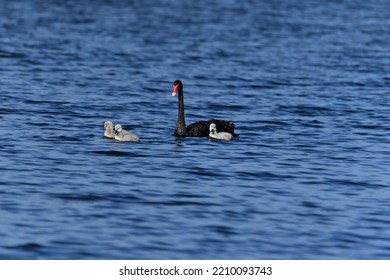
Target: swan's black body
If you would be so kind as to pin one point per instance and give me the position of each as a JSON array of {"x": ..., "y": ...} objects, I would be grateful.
[{"x": 197, "y": 129}]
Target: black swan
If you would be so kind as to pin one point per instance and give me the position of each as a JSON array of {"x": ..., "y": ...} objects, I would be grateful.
[{"x": 197, "y": 129}]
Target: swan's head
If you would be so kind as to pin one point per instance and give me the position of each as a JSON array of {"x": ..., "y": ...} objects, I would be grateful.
[
  {"x": 108, "y": 125},
  {"x": 213, "y": 128},
  {"x": 118, "y": 128},
  {"x": 177, "y": 86}
]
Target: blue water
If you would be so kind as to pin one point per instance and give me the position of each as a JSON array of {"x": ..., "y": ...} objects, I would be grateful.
[{"x": 306, "y": 83}]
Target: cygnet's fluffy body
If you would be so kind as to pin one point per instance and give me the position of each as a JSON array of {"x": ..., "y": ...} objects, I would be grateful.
[
  {"x": 109, "y": 130},
  {"x": 219, "y": 135},
  {"x": 124, "y": 135}
]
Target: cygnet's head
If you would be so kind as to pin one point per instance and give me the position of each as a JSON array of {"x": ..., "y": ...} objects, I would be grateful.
[
  {"x": 108, "y": 125},
  {"x": 213, "y": 128},
  {"x": 118, "y": 128}
]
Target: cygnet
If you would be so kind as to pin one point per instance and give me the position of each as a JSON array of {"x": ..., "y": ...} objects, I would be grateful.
[
  {"x": 124, "y": 135},
  {"x": 109, "y": 130},
  {"x": 219, "y": 135}
]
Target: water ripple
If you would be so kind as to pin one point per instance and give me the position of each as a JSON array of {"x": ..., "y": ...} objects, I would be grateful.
[{"x": 304, "y": 83}]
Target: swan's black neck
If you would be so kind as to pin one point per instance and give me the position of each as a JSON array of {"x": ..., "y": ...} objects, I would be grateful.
[{"x": 180, "y": 129}]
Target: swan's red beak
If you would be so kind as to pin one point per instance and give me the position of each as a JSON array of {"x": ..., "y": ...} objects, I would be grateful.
[{"x": 175, "y": 90}]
